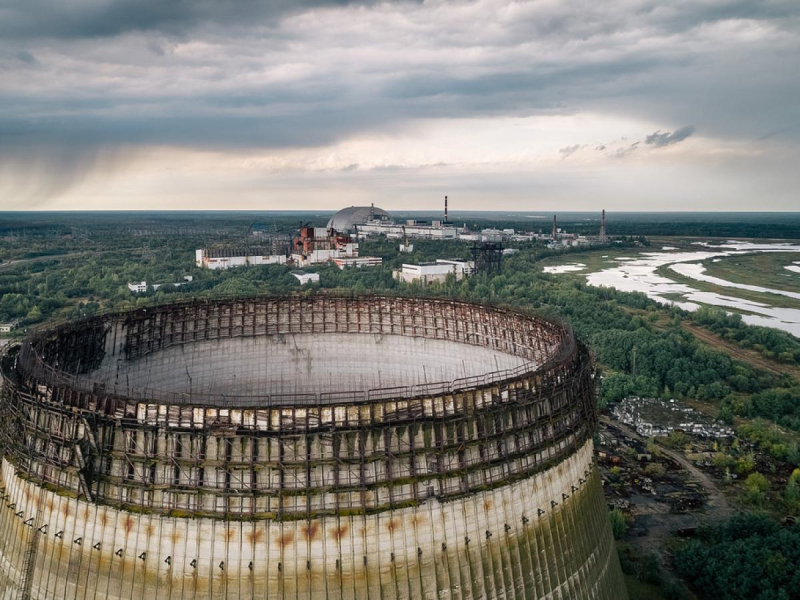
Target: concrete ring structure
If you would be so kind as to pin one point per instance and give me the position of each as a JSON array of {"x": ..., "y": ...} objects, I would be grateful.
[{"x": 303, "y": 447}]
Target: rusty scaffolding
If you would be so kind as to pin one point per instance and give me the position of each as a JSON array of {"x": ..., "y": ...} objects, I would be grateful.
[{"x": 292, "y": 456}]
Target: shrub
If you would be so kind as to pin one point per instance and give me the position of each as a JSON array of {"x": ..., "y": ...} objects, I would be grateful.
[
  {"x": 756, "y": 486},
  {"x": 619, "y": 523},
  {"x": 655, "y": 470}
]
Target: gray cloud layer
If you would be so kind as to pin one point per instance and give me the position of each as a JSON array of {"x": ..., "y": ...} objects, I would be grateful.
[
  {"x": 659, "y": 139},
  {"x": 107, "y": 18},
  {"x": 91, "y": 75}
]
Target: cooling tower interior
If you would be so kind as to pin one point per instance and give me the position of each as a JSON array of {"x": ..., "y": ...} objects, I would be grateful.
[{"x": 303, "y": 447}]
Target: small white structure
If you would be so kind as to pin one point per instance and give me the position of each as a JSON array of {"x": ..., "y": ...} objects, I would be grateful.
[
  {"x": 491, "y": 235},
  {"x": 8, "y": 327},
  {"x": 305, "y": 278},
  {"x": 137, "y": 287},
  {"x": 406, "y": 248},
  {"x": 428, "y": 273}
]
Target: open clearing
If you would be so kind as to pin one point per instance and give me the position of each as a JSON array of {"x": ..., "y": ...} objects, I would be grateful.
[{"x": 766, "y": 269}]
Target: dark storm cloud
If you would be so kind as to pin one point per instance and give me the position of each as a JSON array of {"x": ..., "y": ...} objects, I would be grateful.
[
  {"x": 436, "y": 60},
  {"x": 659, "y": 139},
  {"x": 102, "y": 18},
  {"x": 94, "y": 75}
]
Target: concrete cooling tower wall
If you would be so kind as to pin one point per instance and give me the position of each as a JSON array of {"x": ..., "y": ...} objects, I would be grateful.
[{"x": 303, "y": 447}]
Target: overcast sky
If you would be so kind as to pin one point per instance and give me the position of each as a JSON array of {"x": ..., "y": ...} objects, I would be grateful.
[{"x": 540, "y": 105}]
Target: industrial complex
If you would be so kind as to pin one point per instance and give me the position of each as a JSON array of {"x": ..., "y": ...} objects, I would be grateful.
[
  {"x": 303, "y": 447},
  {"x": 337, "y": 242}
]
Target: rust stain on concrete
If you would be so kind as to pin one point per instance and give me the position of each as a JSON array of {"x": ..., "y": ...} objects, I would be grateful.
[
  {"x": 286, "y": 539},
  {"x": 255, "y": 536},
  {"x": 338, "y": 533},
  {"x": 311, "y": 531}
]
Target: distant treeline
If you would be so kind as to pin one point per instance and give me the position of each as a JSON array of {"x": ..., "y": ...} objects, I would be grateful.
[{"x": 640, "y": 354}]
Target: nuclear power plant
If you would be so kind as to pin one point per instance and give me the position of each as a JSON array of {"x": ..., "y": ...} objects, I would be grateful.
[{"x": 303, "y": 447}]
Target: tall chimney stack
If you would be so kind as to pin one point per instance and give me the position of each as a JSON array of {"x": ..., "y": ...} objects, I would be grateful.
[
  {"x": 554, "y": 227},
  {"x": 445, "y": 209},
  {"x": 603, "y": 226}
]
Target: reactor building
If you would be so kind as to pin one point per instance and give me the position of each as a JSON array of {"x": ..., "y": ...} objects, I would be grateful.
[{"x": 303, "y": 447}]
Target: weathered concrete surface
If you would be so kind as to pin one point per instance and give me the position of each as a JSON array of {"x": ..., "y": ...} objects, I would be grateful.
[
  {"x": 303, "y": 363},
  {"x": 475, "y": 487},
  {"x": 544, "y": 537}
]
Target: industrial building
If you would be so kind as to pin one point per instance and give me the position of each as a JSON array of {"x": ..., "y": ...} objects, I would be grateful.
[
  {"x": 305, "y": 278},
  {"x": 317, "y": 245},
  {"x": 226, "y": 258},
  {"x": 137, "y": 287},
  {"x": 303, "y": 447},
  {"x": 434, "y": 272},
  {"x": 370, "y": 220},
  {"x": 411, "y": 228},
  {"x": 346, "y": 219}
]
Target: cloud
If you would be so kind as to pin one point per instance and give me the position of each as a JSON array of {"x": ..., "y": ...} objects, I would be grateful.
[
  {"x": 106, "y": 18},
  {"x": 245, "y": 76},
  {"x": 568, "y": 151},
  {"x": 659, "y": 139},
  {"x": 27, "y": 57}
]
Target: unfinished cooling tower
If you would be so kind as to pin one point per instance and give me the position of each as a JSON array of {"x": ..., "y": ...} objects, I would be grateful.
[{"x": 317, "y": 447}]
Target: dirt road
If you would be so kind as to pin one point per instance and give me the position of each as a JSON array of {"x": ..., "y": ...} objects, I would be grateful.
[
  {"x": 749, "y": 356},
  {"x": 22, "y": 261}
]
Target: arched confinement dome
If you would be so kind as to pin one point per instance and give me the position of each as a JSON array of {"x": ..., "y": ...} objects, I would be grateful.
[{"x": 345, "y": 219}]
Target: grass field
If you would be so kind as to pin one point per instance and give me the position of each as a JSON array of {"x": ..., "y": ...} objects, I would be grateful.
[
  {"x": 765, "y": 269},
  {"x": 595, "y": 260},
  {"x": 765, "y": 298}
]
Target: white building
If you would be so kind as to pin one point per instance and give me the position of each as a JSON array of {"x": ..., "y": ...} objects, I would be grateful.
[
  {"x": 358, "y": 261},
  {"x": 226, "y": 258},
  {"x": 428, "y": 273},
  {"x": 412, "y": 229},
  {"x": 8, "y": 327},
  {"x": 305, "y": 278},
  {"x": 137, "y": 287}
]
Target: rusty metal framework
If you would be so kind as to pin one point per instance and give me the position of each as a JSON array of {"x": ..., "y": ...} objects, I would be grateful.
[{"x": 292, "y": 456}]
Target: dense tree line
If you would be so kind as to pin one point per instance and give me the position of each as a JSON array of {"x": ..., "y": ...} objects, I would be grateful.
[
  {"x": 748, "y": 558},
  {"x": 772, "y": 343},
  {"x": 638, "y": 357}
]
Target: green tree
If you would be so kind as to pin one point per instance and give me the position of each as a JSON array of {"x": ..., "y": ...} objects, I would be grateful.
[
  {"x": 756, "y": 486},
  {"x": 619, "y": 523}
]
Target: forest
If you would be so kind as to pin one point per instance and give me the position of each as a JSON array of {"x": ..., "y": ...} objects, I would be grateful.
[
  {"x": 638, "y": 354},
  {"x": 51, "y": 271},
  {"x": 748, "y": 558}
]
